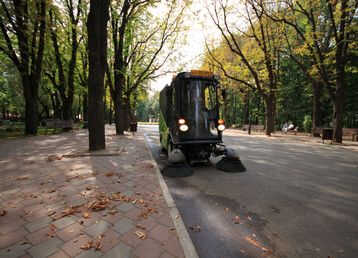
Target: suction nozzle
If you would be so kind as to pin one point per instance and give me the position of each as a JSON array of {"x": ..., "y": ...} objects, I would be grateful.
[
  {"x": 177, "y": 166},
  {"x": 230, "y": 162}
]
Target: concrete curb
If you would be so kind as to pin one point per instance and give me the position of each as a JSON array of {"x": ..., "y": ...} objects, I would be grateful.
[{"x": 184, "y": 238}]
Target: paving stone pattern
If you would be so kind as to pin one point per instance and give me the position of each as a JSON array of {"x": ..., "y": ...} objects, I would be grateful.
[{"x": 47, "y": 198}]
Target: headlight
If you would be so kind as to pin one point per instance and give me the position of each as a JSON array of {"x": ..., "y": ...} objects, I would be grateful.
[
  {"x": 181, "y": 121},
  {"x": 183, "y": 128},
  {"x": 221, "y": 127}
]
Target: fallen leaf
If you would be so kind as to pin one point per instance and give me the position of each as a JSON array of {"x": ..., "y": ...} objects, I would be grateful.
[
  {"x": 50, "y": 213},
  {"x": 226, "y": 209},
  {"x": 54, "y": 157},
  {"x": 66, "y": 212},
  {"x": 87, "y": 246},
  {"x": 141, "y": 227},
  {"x": 3, "y": 212},
  {"x": 141, "y": 235},
  {"x": 112, "y": 212},
  {"x": 98, "y": 245},
  {"x": 52, "y": 232},
  {"x": 22, "y": 177},
  {"x": 255, "y": 243},
  {"x": 86, "y": 215},
  {"x": 88, "y": 188},
  {"x": 109, "y": 174},
  {"x": 52, "y": 191}
]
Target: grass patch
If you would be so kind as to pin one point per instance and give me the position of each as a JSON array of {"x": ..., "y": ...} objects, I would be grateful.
[{"x": 17, "y": 132}]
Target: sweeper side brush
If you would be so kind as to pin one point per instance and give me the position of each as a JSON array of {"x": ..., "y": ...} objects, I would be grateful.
[
  {"x": 230, "y": 162},
  {"x": 177, "y": 166}
]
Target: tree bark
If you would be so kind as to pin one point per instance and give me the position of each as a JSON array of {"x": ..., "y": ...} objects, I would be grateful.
[
  {"x": 338, "y": 111},
  {"x": 85, "y": 107},
  {"x": 270, "y": 102},
  {"x": 67, "y": 109},
  {"x": 110, "y": 116},
  {"x": 30, "y": 88},
  {"x": 246, "y": 109},
  {"x": 316, "y": 108},
  {"x": 97, "y": 51}
]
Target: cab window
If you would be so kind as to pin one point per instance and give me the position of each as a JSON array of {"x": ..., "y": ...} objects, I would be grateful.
[{"x": 210, "y": 96}]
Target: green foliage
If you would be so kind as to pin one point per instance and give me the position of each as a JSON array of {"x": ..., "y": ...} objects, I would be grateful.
[
  {"x": 148, "y": 108},
  {"x": 307, "y": 124}
]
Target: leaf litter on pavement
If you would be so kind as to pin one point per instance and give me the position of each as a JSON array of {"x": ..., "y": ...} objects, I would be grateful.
[{"x": 97, "y": 201}]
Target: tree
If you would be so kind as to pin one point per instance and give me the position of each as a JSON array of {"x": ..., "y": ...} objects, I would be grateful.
[
  {"x": 97, "y": 52},
  {"x": 23, "y": 27},
  {"x": 257, "y": 49},
  {"x": 327, "y": 29},
  {"x": 63, "y": 74},
  {"x": 138, "y": 40}
]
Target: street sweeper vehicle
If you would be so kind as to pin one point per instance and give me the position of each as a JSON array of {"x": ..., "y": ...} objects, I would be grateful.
[{"x": 190, "y": 126}]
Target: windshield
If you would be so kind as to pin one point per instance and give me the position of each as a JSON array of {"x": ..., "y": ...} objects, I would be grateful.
[
  {"x": 200, "y": 95},
  {"x": 199, "y": 106}
]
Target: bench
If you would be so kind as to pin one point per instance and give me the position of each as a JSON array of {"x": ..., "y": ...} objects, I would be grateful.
[
  {"x": 327, "y": 134},
  {"x": 352, "y": 132},
  {"x": 293, "y": 131},
  {"x": 59, "y": 124},
  {"x": 317, "y": 131},
  {"x": 257, "y": 128}
]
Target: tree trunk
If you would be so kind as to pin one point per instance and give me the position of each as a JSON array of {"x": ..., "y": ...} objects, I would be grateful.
[
  {"x": 67, "y": 109},
  {"x": 270, "y": 103},
  {"x": 105, "y": 105},
  {"x": 124, "y": 123},
  {"x": 4, "y": 112},
  {"x": 338, "y": 109},
  {"x": 85, "y": 107},
  {"x": 246, "y": 109},
  {"x": 31, "y": 105},
  {"x": 110, "y": 111},
  {"x": 117, "y": 117},
  {"x": 316, "y": 109},
  {"x": 56, "y": 104},
  {"x": 97, "y": 51}
]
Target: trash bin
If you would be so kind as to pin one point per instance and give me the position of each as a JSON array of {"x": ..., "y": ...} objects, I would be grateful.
[
  {"x": 133, "y": 127},
  {"x": 327, "y": 134}
]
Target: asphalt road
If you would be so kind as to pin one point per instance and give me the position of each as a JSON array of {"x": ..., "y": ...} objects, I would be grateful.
[{"x": 294, "y": 200}]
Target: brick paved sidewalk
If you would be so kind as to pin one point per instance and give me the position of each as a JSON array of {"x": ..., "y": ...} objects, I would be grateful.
[{"x": 105, "y": 204}]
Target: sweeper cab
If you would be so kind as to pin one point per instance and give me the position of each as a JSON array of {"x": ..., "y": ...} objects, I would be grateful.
[{"x": 190, "y": 126}]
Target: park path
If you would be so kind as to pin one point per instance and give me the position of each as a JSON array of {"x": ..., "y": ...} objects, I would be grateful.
[{"x": 58, "y": 200}]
